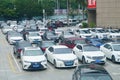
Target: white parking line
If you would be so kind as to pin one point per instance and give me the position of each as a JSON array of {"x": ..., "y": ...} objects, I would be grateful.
[
  {"x": 49, "y": 66},
  {"x": 2, "y": 70},
  {"x": 115, "y": 73},
  {"x": 16, "y": 63}
]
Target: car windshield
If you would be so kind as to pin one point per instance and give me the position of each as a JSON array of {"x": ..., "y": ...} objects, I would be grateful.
[
  {"x": 90, "y": 48},
  {"x": 100, "y": 31},
  {"x": 47, "y": 44},
  {"x": 33, "y": 53},
  {"x": 116, "y": 47},
  {"x": 95, "y": 76},
  {"x": 33, "y": 34},
  {"x": 15, "y": 34},
  {"x": 97, "y": 40},
  {"x": 63, "y": 51},
  {"x": 79, "y": 41},
  {"x": 50, "y": 34},
  {"x": 84, "y": 32}
]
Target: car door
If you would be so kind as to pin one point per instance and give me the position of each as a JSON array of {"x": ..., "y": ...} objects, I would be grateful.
[
  {"x": 50, "y": 54},
  {"x": 107, "y": 50},
  {"x": 79, "y": 51}
]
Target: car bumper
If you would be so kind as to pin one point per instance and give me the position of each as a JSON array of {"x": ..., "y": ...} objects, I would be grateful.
[
  {"x": 64, "y": 64},
  {"x": 35, "y": 66},
  {"x": 97, "y": 61}
]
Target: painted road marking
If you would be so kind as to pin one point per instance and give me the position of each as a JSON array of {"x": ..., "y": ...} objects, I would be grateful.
[
  {"x": 12, "y": 65},
  {"x": 16, "y": 63}
]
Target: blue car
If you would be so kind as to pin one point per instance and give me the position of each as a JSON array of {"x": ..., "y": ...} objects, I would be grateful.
[{"x": 94, "y": 41}]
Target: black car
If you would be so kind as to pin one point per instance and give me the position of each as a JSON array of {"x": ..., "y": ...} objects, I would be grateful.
[
  {"x": 91, "y": 72},
  {"x": 19, "y": 46}
]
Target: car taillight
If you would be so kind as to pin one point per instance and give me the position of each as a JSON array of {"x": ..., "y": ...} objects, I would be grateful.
[{"x": 19, "y": 50}]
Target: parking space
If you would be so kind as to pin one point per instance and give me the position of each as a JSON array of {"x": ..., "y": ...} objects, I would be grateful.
[{"x": 11, "y": 69}]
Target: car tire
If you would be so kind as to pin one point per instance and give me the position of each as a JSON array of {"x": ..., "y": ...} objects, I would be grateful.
[
  {"x": 113, "y": 59},
  {"x": 83, "y": 60},
  {"x": 55, "y": 64},
  {"x": 74, "y": 77}
]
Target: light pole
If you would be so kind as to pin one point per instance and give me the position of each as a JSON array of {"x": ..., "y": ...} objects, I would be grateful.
[
  {"x": 57, "y": 6},
  {"x": 68, "y": 13}
]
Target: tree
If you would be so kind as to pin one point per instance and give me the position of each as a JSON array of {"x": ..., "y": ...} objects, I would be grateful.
[{"x": 82, "y": 4}]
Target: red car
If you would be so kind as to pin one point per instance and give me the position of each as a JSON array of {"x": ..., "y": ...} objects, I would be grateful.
[{"x": 72, "y": 41}]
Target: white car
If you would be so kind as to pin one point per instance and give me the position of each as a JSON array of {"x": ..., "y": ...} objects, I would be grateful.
[
  {"x": 13, "y": 37},
  {"x": 6, "y": 28},
  {"x": 42, "y": 30},
  {"x": 66, "y": 34},
  {"x": 89, "y": 54},
  {"x": 61, "y": 56},
  {"x": 112, "y": 51},
  {"x": 32, "y": 58},
  {"x": 58, "y": 31},
  {"x": 83, "y": 33},
  {"x": 113, "y": 33},
  {"x": 99, "y": 33},
  {"x": 33, "y": 37}
]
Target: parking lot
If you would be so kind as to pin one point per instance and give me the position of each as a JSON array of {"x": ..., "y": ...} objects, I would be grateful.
[{"x": 10, "y": 67}]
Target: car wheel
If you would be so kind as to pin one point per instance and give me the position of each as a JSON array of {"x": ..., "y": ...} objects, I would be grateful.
[
  {"x": 55, "y": 64},
  {"x": 22, "y": 66},
  {"x": 83, "y": 60},
  {"x": 74, "y": 77},
  {"x": 14, "y": 52},
  {"x": 113, "y": 59}
]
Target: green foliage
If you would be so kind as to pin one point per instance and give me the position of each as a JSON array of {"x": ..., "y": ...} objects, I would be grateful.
[
  {"x": 29, "y": 8},
  {"x": 92, "y": 25},
  {"x": 84, "y": 25}
]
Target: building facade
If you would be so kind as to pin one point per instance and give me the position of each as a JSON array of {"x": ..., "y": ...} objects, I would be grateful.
[{"x": 106, "y": 14}]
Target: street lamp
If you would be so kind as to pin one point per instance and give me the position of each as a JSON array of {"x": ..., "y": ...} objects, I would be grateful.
[{"x": 68, "y": 13}]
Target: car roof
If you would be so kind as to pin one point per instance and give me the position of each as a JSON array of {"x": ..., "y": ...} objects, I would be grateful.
[
  {"x": 74, "y": 38},
  {"x": 59, "y": 46},
  {"x": 113, "y": 43},
  {"x": 31, "y": 48},
  {"x": 86, "y": 68}
]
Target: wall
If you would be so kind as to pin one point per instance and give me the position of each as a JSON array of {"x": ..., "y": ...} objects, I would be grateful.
[{"x": 108, "y": 13}]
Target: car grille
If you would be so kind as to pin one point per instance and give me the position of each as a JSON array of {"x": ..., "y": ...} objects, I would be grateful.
[
  {"x": 98, "y": 57},
  {"x": 36, "y": 65},
  {"x": 69, "y": 62}
]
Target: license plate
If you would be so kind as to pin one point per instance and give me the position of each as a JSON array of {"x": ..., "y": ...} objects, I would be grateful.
[
  {"x": 97, "y": 61},
  {"x": 35, "y": 65}
]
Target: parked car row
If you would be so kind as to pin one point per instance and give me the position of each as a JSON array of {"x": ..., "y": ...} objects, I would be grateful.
[{"x": 62, "y": 48}]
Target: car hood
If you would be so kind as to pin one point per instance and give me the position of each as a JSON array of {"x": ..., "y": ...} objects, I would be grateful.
[
  {"x": 36, "y": 37},
  {"x": 34, "y": 58},
  {"x": 94, "y": 53},
  {"x": 116, "y": 52},
  {"x": 16, "y": 38},
  {"x": 65, "y": 56}
]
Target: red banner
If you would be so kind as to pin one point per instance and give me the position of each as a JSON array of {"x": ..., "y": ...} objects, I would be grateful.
[{"x": 91, "y": 4}]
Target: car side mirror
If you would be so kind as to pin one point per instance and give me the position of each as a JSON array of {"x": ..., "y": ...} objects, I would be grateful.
[
  {"x": 110, "y": 49},
  {"x": 80, "y": 50}
]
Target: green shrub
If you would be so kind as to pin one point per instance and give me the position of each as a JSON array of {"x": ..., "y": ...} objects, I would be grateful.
[
  {"x": 92, "y": 25},
  {"x": 84, "y": 25}
]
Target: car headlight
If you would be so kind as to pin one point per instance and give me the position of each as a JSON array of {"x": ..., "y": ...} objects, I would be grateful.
[
  {"x": 44, "y": 61},
  {"x": 75, "y": 59},
  {"x": 118, "y": 55},
  {"x": 27, "y": 62},
  {"x": 59, "y": 60},
  {"x": 89, "y": 57}
]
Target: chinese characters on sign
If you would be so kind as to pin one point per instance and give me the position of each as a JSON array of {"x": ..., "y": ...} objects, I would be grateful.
[{"x": 91, "y": 4}]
